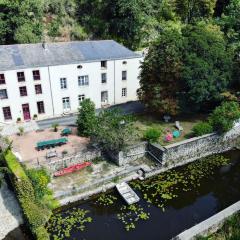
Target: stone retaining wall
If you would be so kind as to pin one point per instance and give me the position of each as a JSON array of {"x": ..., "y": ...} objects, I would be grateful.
[
  {"x": 182, "y": 152},
  {"x": 210, "y": 225},
  {"x": 198, "y": 147},
  {"x": 130, "y": 154},
  {"x": 80, "y": 157}
]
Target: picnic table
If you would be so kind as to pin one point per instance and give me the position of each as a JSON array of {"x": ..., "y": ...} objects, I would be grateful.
[
  {"x": 66, "y": 131},
  {"x": 51, "y": 143}
]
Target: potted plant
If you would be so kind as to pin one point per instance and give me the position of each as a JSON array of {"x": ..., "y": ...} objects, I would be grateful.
[
  {"x": 18, "y": 120},
  {"x": 55, "y": 127},
  {"x": 64, "y": 153},
  {"x": 35, "y": 116},
  {"x": 21, "y": 131}
]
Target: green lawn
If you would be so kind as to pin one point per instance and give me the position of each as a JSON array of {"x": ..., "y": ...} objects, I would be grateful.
[{"x": 143, "y": 122}]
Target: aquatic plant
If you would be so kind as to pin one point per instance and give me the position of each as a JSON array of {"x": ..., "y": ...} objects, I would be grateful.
[
  {"x": 61, "y": 224},
  {"x": 106, "y": 200},
  {"x": 130, "y": 215},
  {"x": 168, "y": 185}
]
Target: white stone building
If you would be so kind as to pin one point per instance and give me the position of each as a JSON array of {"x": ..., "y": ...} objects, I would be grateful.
[{"x": 51, "y": 79}]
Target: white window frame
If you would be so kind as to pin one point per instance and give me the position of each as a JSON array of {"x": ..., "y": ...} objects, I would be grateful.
[
  {"x": 105, "y": 100},
  {"x": 83, "y": 80},
  {"x": 124, "y": 92},
  {"x": 66, "y": 103},
  {"x": 63, "y": 83},
  {"x": 81, "y": 97},
  {"x": 104, "y": 78}
]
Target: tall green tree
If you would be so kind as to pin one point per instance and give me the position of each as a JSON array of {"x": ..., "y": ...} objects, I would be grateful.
[
  {"x": 114, "y": 131},
  {"x": 187, "y": 67},
  {"x": 86, "y": 119},
  {"x": 160, "y": 73},
  {"x": 21, "y": 21},
  {"x": 207, "y": 64},
  {"x": 191, "y": 10}
]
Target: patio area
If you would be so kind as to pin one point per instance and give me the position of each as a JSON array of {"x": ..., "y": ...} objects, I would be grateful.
[{"x": 25, "y": 145}]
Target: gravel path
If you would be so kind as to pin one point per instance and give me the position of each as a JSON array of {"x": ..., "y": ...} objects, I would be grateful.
[{"x": 10, "y": 213}]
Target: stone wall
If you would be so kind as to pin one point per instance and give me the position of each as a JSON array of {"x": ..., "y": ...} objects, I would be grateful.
[
  {"x": 80, "y": 157},
  {"x": 182, "y": 152},
  {"x": 198, "y": 147},
  {"x": 130, "y": 154}
]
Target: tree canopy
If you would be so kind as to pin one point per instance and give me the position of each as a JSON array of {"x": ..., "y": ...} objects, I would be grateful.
[{"x": 189, "y": 65}]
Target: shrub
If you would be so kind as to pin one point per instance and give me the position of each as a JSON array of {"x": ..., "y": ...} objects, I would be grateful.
[
  {"x": 42, "y": 234},
  {"x": 40, "y": 180},
  {"x": 202, "y": 128},
  {"x": 55, "y": 127},
  {"x": 21, "y": 131},
  {"x": 152, "y": 135},
  {"x": 223, "y": 117}
]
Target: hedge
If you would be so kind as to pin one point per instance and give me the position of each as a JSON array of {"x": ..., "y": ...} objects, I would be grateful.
[
  {"x": 14, "y": 166},
  {"x": 202, "y": 128},
  {"x": 36, "y": 215}
]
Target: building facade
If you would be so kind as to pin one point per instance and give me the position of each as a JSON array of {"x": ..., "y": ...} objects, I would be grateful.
[{"x": 47, "y": 80}]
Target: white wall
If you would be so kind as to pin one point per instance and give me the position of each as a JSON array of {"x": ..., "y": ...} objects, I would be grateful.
[
  {"x": 53, "y": 94},
  {"x": 93, "y": 90},
  {"x": 15, "y": 101}
]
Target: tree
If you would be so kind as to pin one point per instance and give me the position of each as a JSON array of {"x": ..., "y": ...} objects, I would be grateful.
[
  {"x": 191, "y": 10},
  {"x": 207, "y": 64},
  {"x": 21, "y": 21},
  {"x": 160, "y": 73},
  {"x": 114, "y": 131},
  {"x": 132, "y": 22},
  {"x": 230, "y": 21},
  {"x": 223, "y": 117},
  {"x": 86, "y": 120}
]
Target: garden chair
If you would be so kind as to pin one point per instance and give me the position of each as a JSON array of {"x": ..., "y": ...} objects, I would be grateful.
[{"x": 178, "y": 126}]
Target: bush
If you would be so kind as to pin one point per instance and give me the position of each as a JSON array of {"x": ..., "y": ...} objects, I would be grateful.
[
  {"x": 55, "y": 127},
  {"x": 42, "y": 234},
  {"x": 152, "y": 135},
  {"x": 202, "y": 128},
  {"x": 223, "y": 117},
  {"x": 40, "y": 180}
]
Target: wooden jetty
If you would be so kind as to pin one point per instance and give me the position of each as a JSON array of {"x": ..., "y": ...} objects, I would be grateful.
[{"x": 127, "y": 193}]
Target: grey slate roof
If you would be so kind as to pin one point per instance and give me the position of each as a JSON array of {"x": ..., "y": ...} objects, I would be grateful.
[{"x": 34, "y": 55}]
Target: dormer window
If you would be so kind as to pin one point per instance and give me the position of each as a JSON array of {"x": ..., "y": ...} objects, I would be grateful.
[
  {"x": 79, "y": 66},
  {"x": 104, "y": 64},
  {"x": 124, "y": 62}
]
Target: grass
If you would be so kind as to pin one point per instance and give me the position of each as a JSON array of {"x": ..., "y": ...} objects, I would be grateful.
[
  {"x": 229, "y": 231},
  {"x": 144, "y": 122}
]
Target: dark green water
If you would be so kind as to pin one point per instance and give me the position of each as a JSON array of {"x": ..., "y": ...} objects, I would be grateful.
[{"x": 216, "y": 192}]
